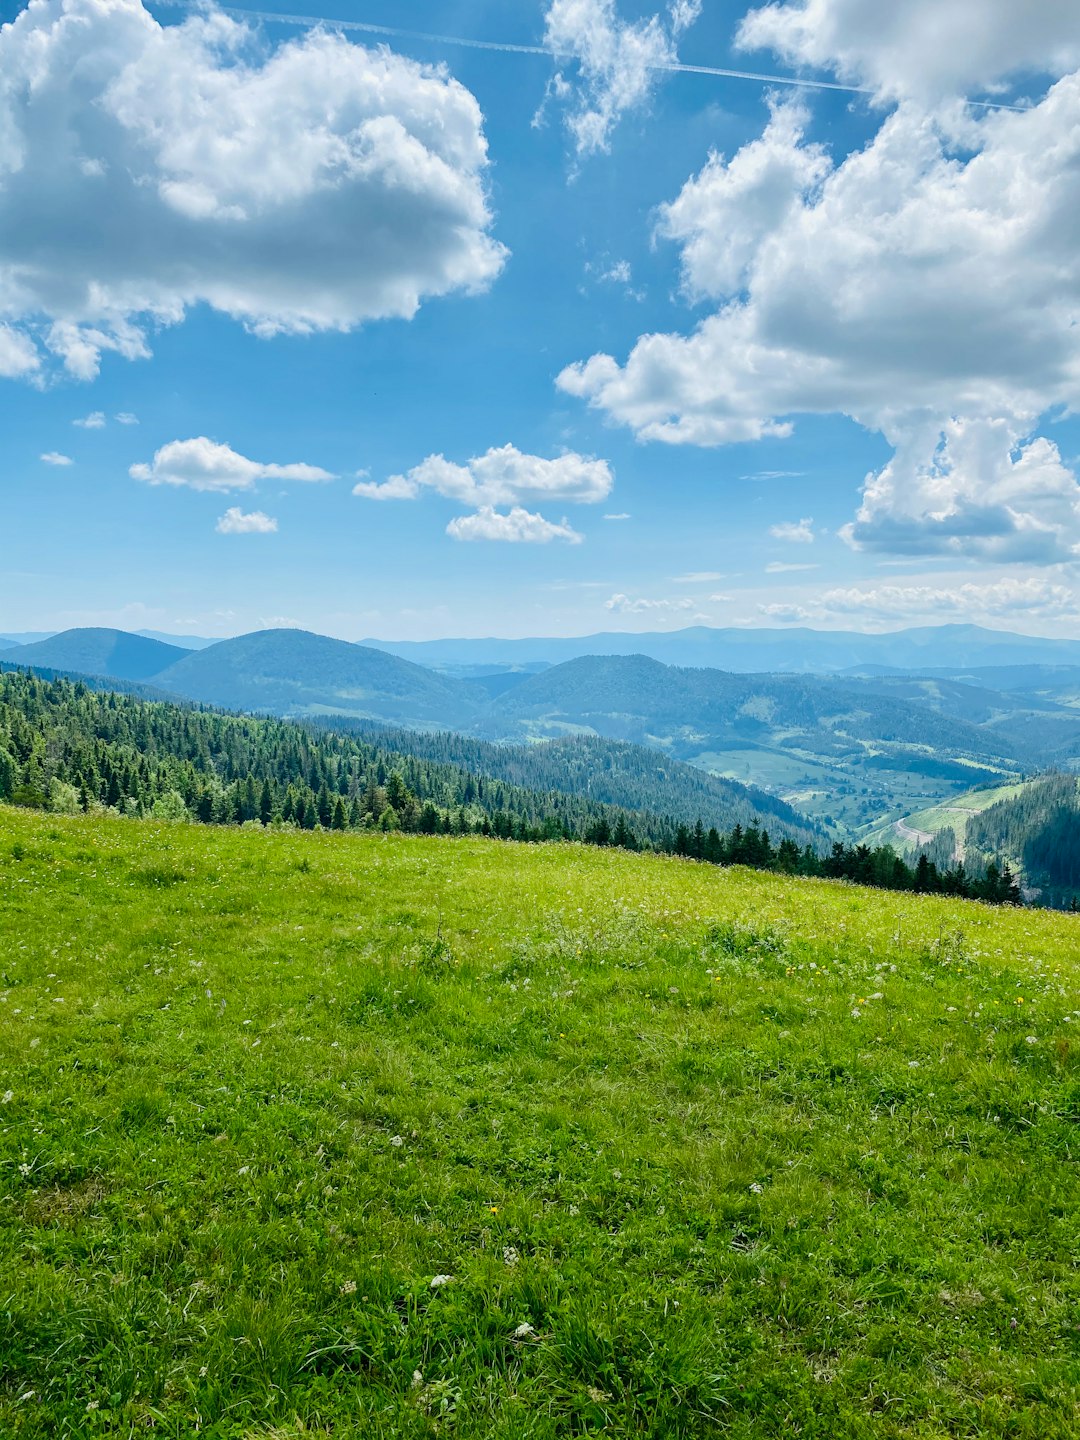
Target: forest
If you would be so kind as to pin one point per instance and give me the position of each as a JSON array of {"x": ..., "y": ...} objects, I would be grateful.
[{"x": 67, "y": 748}]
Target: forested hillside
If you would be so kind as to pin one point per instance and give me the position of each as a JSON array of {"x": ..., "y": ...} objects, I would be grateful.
[
  {"x": 69, "y": 749},
  {"x": 611, "y": 772},
  {"x": 1039, "y": 829}
]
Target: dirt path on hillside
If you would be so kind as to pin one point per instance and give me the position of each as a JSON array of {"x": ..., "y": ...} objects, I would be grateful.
[{"x": 913, "y": 837}]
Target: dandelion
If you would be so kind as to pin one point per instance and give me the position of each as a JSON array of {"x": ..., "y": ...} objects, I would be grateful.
[{"x": 494, "y": 1209}]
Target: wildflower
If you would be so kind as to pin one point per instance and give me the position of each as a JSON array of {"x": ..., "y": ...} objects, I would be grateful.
[
  {"x": 24, "y": 1170},
  {"x": 598, "y": 1397},
  {"x": 438, "y": 1281},
  {"x": 1032, "y": 1039},
  {"x": 756, "y": 1189},
  {"x": 396, "y": 1141},
  {"x": 8, "y": 1097},
  {"x": 417, "y": 1379},
  {"x": 93, "y": 1405},
  {"x": 494, "y": 1209},
  {"x": 524, "y": 1332},
  {"x": 203, "y": 1371},
  {"x": 349, "y": 1288},
  {"x": 510, "y": 1255}
]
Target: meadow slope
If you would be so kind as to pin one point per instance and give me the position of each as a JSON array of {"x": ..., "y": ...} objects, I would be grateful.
[{"x": 393, "y": 1136}]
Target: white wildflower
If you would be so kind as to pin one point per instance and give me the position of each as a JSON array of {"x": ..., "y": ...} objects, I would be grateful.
[
  {"x": 396, "y": 1141},
  {"x": 756, "y": 1189},
  {"x": 438, "y": 1281},
  {"x": 524, "y": 1332}
]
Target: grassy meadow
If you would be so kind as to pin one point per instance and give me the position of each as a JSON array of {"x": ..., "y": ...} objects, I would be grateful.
[{"x": 385, "y": 1136}]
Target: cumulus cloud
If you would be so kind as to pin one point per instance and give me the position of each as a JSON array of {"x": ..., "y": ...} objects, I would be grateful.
[
  {"x": 94, "y": 421},
  {"x": 202, "y": 464},
  {"x": 518, "y": 527},
  {"x": 126, "y": 418},
  {"x": 308, "y": 187},
  {"x": 983, "y": 492},
  {"x": 927, "y": 287},
  {"x": 53, "y": 457},
  {"x": 929, "y": 49},
  {"x": 617, "y": 61},
  {"x": 235, "y": 522},
  {"x": 503, "y": 476},
  {"x": 19, "y": 358},
  {"x": 722, "y": 216},
  {"x": 1007, "y": 597},
  {"x": 625, "y": 605},
  {"x": 786, "y": 614},
  {"x": 799, "y": 532}
]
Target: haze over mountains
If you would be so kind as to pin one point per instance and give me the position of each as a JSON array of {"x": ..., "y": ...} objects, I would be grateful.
[{"x": 847, "y": 748}]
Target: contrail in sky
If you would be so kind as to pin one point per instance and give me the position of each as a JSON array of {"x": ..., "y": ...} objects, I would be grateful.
[{"x": 393, "y": 32}]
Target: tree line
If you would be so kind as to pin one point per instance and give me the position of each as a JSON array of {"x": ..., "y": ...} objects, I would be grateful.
[{"x": 67, "y": 748}]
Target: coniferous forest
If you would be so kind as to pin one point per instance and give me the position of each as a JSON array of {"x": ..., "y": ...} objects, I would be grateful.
[{"x": 67, "y": 748}]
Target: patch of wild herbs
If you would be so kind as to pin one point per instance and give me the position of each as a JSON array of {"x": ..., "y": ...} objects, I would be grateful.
[{"x": 313, "y": 1135}]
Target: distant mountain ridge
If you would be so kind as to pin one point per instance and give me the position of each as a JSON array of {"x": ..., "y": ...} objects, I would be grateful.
[
  {"x": 851, "y": 750},
  {"x": 98, "y": 652},
  {"x": 760, "y": 651}
]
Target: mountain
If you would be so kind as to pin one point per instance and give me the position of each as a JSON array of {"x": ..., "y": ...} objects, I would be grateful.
[
  {"x": 98, "y": 652},
  {"x": 608, "y": 772},
  {"x": 69, "y": 746},
  {"x": 841, "y": 752},
  {"x": 6, "y": 641},
  {"x": 799, "y": 651},
  {"x": 292, "y": 672}
]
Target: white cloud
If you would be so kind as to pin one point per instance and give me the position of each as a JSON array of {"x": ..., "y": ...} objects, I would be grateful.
[
  {"x": 94, "y": 421},
  {"x": 683, "y": 13},
  {"x": 617, "y": 62},
  {"x": 699, "y": 577},
  {"x": 202, "y": 464},
  {"x": 235, "y": 522},
  {"x": 622, "y": 516},
  {"x": 787, "y": 614},
  {"x": 519, "y": 527},
  {"x": 53, "y": 457},
  {"x": 502, "y": 476},
  {"x": 1004, "y": 598},
  {"x": 778, "y": 567},
  {"x": 928, "y": 287},
  {"x": 302, "y": 188},
  {"x": 19, "y": 358},
  {"x": 625, "y": 605},
  {"x": 929, "y": 49},
  {"x": 795, "y": 532},
  {"x": 126, "y": 418},
  {"x": 722, "y": 216}
]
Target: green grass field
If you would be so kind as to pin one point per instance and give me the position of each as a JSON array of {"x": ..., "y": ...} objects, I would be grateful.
[{"x": 307, "y": 1135}]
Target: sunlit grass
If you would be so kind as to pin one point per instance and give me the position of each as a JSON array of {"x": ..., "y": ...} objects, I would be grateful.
[{"x": 688, "y": 1152}]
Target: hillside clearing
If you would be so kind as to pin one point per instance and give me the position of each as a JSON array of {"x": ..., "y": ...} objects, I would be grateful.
[{"x": 405, "y": 1136}]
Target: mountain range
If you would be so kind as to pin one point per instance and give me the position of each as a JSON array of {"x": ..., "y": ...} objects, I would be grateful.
[{"x": 850, "y": 749}]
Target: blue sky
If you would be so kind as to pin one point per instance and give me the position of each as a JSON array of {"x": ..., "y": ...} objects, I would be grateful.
[{"x": 833, "y": 295}]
